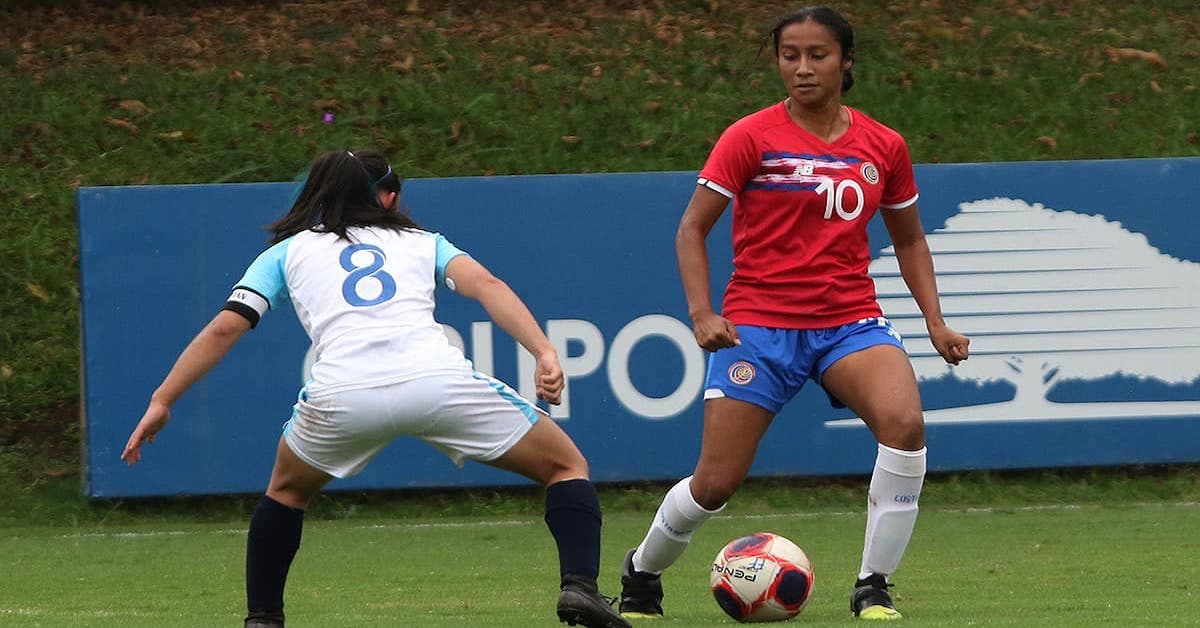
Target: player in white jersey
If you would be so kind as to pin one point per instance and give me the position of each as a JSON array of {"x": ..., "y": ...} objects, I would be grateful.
[{"x": 361, "y": 277}]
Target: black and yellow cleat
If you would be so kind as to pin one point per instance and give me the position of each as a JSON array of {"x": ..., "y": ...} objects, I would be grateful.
[
  {"x": 580, "y": 604},
  {"x": 641, "y": 593},
  {"x": 871, "y": 600}
]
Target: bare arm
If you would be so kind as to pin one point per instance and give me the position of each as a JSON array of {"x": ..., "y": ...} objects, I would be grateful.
[
  {"x": 916, "y": 267},
  {"x": 472, "y": 280},
  {"x": 712, "y": 331},
  {"x": 201, "y": 355}
]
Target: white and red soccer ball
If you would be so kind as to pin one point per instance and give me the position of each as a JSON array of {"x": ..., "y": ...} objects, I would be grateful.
[{"x": 761, "y": 577}]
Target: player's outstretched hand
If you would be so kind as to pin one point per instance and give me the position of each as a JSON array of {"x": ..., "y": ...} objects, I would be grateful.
[
  {"x": 549, "y": 378},
  {"x": 951, "y": 345},
  {"x": 714, "y": 332},
  {"x": 155, "y": 419}
]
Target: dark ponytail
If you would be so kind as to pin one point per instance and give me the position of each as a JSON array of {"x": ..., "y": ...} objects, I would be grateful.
[{"x": 342, "y": 191}]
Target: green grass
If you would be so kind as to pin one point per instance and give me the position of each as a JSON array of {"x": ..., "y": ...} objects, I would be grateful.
[{"x": 1081, "y": 565}]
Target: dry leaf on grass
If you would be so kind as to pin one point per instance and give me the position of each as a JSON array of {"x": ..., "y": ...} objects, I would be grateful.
[
  {"x": 38, "y": 292},
  {"x": 1116, "y": 55},
  {"x": 136, "y": 107},
  {"x": 122, "y": 124}
]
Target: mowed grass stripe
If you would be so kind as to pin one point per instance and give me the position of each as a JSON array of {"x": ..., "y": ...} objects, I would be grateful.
[
  {"x": 1073, "y": 565},
  {"x": 523, "y": 522}
]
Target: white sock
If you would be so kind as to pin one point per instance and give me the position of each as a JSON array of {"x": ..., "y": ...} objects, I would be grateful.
[
  {"x": 891, "y": 508},
  {"x": 674, "y": 524}
]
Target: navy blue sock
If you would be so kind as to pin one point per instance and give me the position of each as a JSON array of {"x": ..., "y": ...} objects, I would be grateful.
[
  {"x": 573, "y": 516},
  {"x": 270, "y": 547}
]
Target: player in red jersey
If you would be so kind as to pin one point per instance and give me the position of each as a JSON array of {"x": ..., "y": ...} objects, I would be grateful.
[{"x": 806, "y": 175}]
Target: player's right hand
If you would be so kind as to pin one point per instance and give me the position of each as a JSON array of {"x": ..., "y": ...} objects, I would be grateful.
[
  {"x": 155, "y": 418},
  {"x": 714, "y": 331},
  {"x": 548, "y": 376}
]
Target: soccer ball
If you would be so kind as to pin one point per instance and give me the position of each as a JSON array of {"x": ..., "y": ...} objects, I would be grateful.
[{"x": 761, "y": 577}]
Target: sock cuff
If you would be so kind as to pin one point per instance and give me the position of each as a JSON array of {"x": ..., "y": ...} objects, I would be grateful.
[
  {"x": 275, "y": 507},
  {"x": 901, "y": 462},
  {"x": 577, "y": 494},
  {"x": 687, "y": 504}
]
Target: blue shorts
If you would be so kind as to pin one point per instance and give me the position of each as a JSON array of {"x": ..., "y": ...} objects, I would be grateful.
[{"x": 772, "y": 365}]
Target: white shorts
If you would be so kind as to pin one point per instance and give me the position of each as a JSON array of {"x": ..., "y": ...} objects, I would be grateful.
[{"x": 466, "y": 416}]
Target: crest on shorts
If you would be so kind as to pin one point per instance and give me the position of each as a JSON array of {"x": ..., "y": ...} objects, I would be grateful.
[
  {"x": 869, "y": 172},
  {"x": 741, "y": 372}
]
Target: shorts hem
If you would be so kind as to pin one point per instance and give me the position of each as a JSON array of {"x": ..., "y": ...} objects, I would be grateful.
[
  {"x": 833, "y": 356},
  {"x": 508, "y": 444},
  {"x": 310, "y": 461},
  {"x": 747, "y": 396}
]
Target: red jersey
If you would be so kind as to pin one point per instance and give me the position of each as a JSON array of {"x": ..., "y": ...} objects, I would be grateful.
[{"x": 800, "y": 213}]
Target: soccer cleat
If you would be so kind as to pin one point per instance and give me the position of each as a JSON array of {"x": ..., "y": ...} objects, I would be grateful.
[
  {"x": 580, "y": 603},
  {"x": 641, "y": 592},
  {"x": 871, "y": 600},
  {"x": 260, "y": 619}
]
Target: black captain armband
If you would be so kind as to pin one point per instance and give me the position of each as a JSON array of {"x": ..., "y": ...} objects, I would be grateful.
[{"x": 248, "y": 303}]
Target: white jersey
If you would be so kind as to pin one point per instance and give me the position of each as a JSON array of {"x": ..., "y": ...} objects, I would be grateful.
[{"x": 366, "y": 303}]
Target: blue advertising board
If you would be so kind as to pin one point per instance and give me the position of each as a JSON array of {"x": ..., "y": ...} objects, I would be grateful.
[{"x": 1078, "y": 283}]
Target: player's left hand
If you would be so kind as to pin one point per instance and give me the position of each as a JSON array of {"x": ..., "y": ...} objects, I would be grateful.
[
  {"x": 548, "y": 377},
  {"x": 152, "y": 422},
  {"x": 951, "y": 345}
]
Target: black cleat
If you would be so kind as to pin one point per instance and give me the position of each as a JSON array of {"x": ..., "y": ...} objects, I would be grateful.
[
  {"x": 580, "y": 604},
  {"x": 262, "y": 619},
  {"x": 871, "y": 599},
  {"x": 641, "y": 592}
]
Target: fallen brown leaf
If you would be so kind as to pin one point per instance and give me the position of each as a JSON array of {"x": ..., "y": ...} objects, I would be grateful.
[
  {"x": 1119, "y": 99},
  {"x": 1116, "y": 55},
  {"x": 327, "y": 104},
  {"x": 122, "y": 124},
  {"x": 136, "y": 107},
  {"x": 403, "y": 66},
  {"x": 571, "y": 139},
  {"x": 1047, "y": 141}
]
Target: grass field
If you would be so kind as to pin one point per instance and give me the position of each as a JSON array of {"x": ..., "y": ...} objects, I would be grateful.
[{"x": 1130, "y": 564}]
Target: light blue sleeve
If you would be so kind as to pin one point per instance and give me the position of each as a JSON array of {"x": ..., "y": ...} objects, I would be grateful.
[
  {"x": 445, "y": 253},
  {"x": 266, "y": 274}
]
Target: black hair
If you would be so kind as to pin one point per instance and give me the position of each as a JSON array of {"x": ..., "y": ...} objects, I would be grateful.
[
  {"x": 342, "y": 191},
  {"x": 835, "y": 22}
]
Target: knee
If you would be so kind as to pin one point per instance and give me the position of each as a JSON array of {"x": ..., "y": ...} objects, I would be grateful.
[
  {"x": 902, "y": 430},
  {"x": 566, "y": 467},
  {"x": 290, "y": 496},
  {"x": 713, "y": 492}
]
